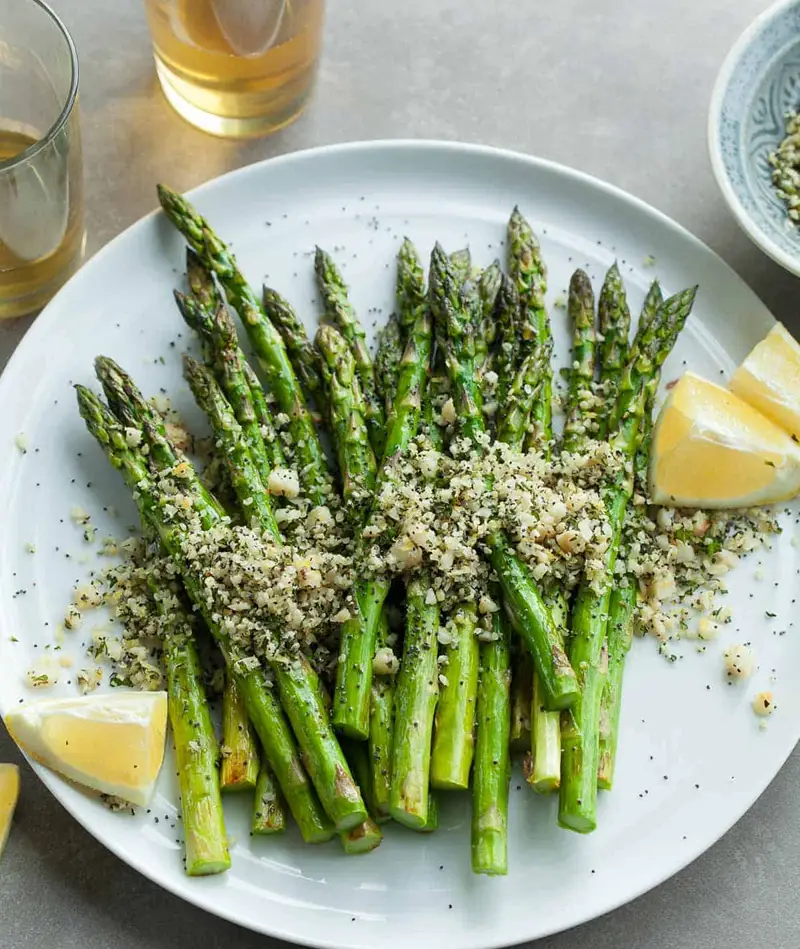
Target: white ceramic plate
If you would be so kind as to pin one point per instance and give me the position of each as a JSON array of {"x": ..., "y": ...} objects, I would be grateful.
[{"x": 692, "y": 757}]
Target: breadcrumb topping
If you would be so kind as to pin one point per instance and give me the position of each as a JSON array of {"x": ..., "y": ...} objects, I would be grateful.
[{"x": 437, "y": 511}]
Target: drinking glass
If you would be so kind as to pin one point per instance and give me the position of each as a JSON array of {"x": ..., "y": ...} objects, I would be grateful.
[
  {"x": 42, "y": 236},
  {"x": 236, "y": 68}
]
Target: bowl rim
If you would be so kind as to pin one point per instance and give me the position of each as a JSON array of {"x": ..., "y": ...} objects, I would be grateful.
[{"x": 755, "y": 232}]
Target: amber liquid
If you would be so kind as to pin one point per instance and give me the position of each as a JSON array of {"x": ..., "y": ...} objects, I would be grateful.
[
  {"x": 237, "y": 67},
  {"x": 41, "y": 222}
]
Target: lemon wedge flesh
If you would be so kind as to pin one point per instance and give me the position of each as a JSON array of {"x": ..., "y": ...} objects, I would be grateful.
[
  {"x": 769, "y": 379},
  {"x": 711, "y": 449},
  {"x": 9, "y": 792},
  {"x": 111, "y": 743}
]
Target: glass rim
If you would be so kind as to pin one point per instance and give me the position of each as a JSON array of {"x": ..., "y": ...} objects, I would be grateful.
[{"x": 72, "y": 94}]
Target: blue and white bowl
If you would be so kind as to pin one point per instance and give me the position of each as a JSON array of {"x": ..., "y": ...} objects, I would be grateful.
[{"x": 758, "y": 83}]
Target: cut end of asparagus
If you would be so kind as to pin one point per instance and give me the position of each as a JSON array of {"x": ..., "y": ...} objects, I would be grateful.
[
  {"x": 345, "y": 723},
  {"x": 578, "y": 821},
  {"x": 362, "y": 839},
  {"x": 237, "y": 775},
  {"x": 547, "y": 785},
  {"x": 202, "y": 867},
  {"x": 449, "y": 780},
  {"x": 490, "y": 852},
  {"x": 414, "y": 819}
]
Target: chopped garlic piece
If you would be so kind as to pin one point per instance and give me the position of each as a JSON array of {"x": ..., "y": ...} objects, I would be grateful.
[
  {"x": 707, "y": 629},
  {"x": 133, "y": 437},
  {"x": 764, "y": 704},
  {"x": 740, "y": 661},
  {"x": 385, "y": 662},
  {"x": 78, "y": 515},
  {"x": 283, "y": 483}
]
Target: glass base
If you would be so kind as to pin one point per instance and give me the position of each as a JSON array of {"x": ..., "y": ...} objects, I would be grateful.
[
  {"x": 226, "y": 126},
  {"x": 38, "y": 298}
]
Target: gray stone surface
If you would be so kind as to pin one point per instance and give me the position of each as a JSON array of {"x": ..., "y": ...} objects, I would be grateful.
[{"x": 617, "y": 88}]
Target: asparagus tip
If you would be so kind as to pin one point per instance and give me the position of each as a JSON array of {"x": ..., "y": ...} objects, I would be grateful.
[{"x": 166, "y": 196}]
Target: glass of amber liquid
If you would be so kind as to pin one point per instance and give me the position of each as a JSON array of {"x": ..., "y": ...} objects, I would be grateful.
[
  {"x": 236, "y": 68},
  {"x": 41, "y": 186}
]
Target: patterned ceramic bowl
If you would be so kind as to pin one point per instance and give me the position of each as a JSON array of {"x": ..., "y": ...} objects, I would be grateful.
[{"x": 758, "y": 83}]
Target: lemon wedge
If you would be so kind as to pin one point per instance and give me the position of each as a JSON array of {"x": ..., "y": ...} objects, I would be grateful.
[
  {"x": 9, "y": 792},
  {"x": 711, "y": 449},
  {"x": 111, "y": 743},
  {"x": 769, "y": 379}
]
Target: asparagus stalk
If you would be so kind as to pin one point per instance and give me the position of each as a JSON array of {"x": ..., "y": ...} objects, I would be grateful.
[
  {"x": 622, "y": 603},
  {"x": 223, "y": 356},
  {"x": 238, "y": 770},
  {"x": 492, "y": 757},
  {"x": 521, "y": 700},
  {"x": 527, "y": 270},
  {"x": 523, "y": 602},
  {"x": 615, "y": 321},
  {"x": 357, "y": 647},
  {"x": 196, "y": 747},
  {"x": 139, "y": 417},
  {"x": 293, "y": 333},
  {"x": 454, "y": 726},
  {"x": 488, "y": 288},
  {"x": 417, "y": 685},
  {"x": 387, "y": 360},
  {"x": 357, "y": 754},
  {"x": 262, "y": 706},
  {"x": 579, "y": 423},
  {"x": 269, "y": 816},
  {"x": 508, "y": 320},
  {"x": 269, "y": 435},
  {"x": 340, "y": 311},
  {"x": 357, "y": 465},
  {"x": 346, "y": 415},
  {"x": 621, "y": 612},
  {"x": 242, "y": 471},
  {"x": 265, "y": 338},
  {"x": 381, "y": 732},
  {"x": 518, "y": 386},
  {"x": 415, "y": 701},
  {"x": 543, "y": 771},
  {"x": 580, "y": 727},
  {"x": 412, "y": 300},
  {"x": 367, "y": 836}
]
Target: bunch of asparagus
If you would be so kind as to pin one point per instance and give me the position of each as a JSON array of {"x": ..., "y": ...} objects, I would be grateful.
[{"x": 480, "y": 343}]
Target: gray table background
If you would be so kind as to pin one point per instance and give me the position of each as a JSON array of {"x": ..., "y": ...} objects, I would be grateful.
[{"x": 617, "y": 88}]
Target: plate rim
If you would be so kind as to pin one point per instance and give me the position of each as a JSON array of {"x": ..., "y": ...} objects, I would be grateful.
[
  {"x": 181, "y": 886},
  {"x": 757, "y": 235}
]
